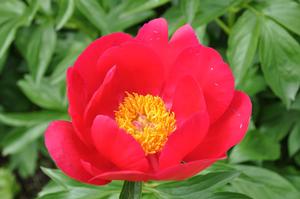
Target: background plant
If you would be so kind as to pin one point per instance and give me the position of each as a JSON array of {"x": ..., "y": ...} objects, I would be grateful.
[{"x": 258, "y": 38}]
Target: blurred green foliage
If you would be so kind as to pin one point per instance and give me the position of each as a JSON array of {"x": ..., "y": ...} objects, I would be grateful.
[{"x": 39, "y": 39}]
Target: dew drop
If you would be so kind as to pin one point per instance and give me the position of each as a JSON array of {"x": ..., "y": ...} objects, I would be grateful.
[
  {"x": 216, "y": 84},
  {"x": 241, "y": 126},
  {"x": 212, "y": 68},
  {"x": 155, "y": 31}
]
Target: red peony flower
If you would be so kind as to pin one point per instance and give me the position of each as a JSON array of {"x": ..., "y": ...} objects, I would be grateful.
[{"x": 147, "y": 108}]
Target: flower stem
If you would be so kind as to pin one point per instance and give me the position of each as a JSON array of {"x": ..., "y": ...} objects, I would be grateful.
[{"x": 131, "y": 190}]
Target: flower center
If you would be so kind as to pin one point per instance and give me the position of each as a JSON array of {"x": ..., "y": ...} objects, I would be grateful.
[{"x": 147, "y": 120}]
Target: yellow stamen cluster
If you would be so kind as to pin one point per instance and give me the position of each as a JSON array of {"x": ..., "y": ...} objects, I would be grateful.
[{"x": 147, "y": 120}]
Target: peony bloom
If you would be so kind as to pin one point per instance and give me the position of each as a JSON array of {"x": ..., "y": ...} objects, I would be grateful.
[{"x": 147, "y": 108}]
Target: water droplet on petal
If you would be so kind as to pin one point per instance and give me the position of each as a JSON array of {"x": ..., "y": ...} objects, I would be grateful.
[
  {"x": 241, "y": 126},
  {"x": 216, "y": 84},
  {"x": 155, "y": 31},
  {"x": 212, "y": 68}
]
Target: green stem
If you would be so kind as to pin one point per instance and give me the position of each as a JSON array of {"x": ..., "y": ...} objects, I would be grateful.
[
  {"x": 223, "y": 25},
  {"x": 131, "y": 190}
]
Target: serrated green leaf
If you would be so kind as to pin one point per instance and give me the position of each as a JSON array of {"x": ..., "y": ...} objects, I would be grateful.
[
  {"x": 242, "y": 45},
  {"x": 279, "y": 55}
]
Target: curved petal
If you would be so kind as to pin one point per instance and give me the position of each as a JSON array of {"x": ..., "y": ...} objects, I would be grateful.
[
  {"x": 86, "y": 62},
  {"x": 134, "y": 68},
  {"x": 185, "y": 170},
  {"x": 154, "y": 34},
  {"x": 67, "y": 151},
  {"x": 129, "y": 175},
  {"x": 78, "y": 99},
  {"x": 118, "y": 146},
  {"x": 227, "y": 131},
  {"x": 188, "y": 99},
  {"x": 184, "y": 140},
  {"x": 183, "y": 38},
  {"x": 213, "y": 75}
]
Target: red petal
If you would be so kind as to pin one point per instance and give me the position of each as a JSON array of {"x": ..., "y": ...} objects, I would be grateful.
[
  {"x": 117, "y": 146},
  {"x": 87, "y": 61},
  {"x": 183, "y": 38},
  {"x": 137, "y": 69},
  {"x": 128, "y": 175},
  {"x": 227, "y": 131},
  {"x": 183, "y": 171},
  {"x": 67, "y": 151},
  {"x": 154, "y": 34},
  {"x": 213, "y": 75},
  {"x": 188, "y": 99},
  {"x": 184, "y": 140}
]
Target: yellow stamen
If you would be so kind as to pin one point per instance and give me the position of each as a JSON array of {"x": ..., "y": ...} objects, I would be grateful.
[{"x": 147, "y": 120}]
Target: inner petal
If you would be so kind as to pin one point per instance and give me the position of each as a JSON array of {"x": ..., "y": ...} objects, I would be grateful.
[{"x": 147, "y": 120}]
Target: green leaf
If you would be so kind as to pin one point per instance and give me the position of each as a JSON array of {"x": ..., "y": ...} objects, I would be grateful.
[
  {"x": 66, "y": 9},
  {"x": 253, "y": 82},
  {"x": 252, "y": 146},
  {"x": 259, "y": 183},
  {"x": 93, "y": 11},
  {"x": 26, "y": 160},
  {"x": 210, "y": 10},
  {"x": 195, "y": 187},
  {"x": 287, "y": 13},
  {"x": 27, "y": 137},
  {"x": 8, "y": 184},
  {"x": 190, "y": 8},
  {"x": 13, "y": 14},
  {"x": 39, "y": 50},
  {"x": 294, "y": 140},
  {"x": 242, "y": 45},
  {"x": 30, "y": 118},
  {"x": 73, "y": 189},
  {"x": 279, "y": 55},
  {"x": 227, "y": 195},
  {"x": 43, "y": 94}
]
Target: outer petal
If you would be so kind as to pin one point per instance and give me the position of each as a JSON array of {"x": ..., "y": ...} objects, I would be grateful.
[
  {"x": 86, "y": 62},
  {"x": 177, "y": 172},
  {"x": 183, "y": 38},
  {"x": 213, "y": 75},
  {"x": 117, "y": 146},
  {"x": 183, "y": 171},
  {"x": 67, "y": 151},
  {"x": 227, "y": 131},
  {"x": 129, "y": 175},
  {"x": 78, "y": 99},
  {"x": 137, "y": 69},
  {"x": 155, "y": 35}
]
